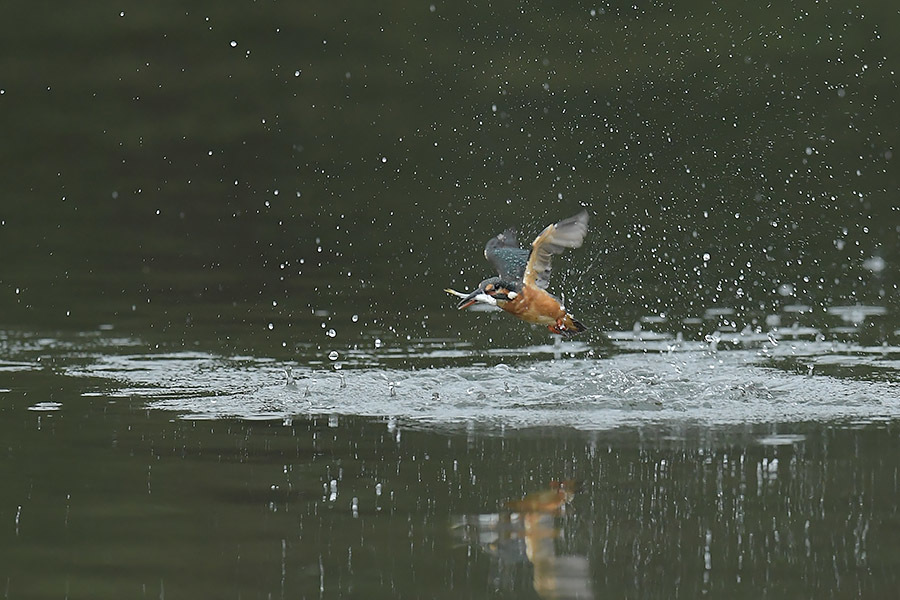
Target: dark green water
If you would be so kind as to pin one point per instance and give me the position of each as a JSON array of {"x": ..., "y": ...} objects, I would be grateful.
[{"x": 228, "y": 368}]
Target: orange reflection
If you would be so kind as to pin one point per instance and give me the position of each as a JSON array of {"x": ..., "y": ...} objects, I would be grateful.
[{"x": 526, "y": 530}]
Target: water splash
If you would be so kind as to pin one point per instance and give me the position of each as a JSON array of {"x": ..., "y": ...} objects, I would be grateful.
[{"x": 688, "y": 384}]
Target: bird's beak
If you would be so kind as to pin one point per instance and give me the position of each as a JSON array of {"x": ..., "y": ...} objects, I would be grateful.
[
  {"x": 473, "y": 298},
  {"x": 469, "y": 300}
]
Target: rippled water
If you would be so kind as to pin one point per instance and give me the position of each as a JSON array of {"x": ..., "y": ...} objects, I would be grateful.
[
  {"x": 689, "y": 382},
  {"x": 638, "y": 377},
  {"x": 702, "y": 456}
]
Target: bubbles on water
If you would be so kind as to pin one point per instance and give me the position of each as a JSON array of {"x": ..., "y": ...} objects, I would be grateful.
[
  {"x": 331, "y": 333},
  {"x": 378, "y": 343},
  {"x": 354, "y": 318},
  {"x": 271, "y": 326},
  {"x": 333, "y": 355}
]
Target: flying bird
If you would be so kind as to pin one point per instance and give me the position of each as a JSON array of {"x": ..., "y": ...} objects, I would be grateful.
[{"x": 521, "y": 285}]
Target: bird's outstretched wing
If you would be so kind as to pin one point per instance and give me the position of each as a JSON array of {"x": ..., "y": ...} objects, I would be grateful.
[
  {"x": 568, "y": 233},
  {"x": 504, "y": 253}
]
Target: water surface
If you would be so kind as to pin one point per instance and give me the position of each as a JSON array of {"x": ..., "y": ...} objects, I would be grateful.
[{"x": 747, "y": 463}]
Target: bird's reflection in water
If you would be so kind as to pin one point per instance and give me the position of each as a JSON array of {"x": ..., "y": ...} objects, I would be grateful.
[{"x": 527, "y": 531}]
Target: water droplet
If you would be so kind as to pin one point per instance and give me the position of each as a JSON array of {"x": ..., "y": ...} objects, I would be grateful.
[
  {"x": 333, "y": 355},
  {"x": 876, "y": 264},
  {"x": 333, "y": 495},
  {"x": 354, "y": 318},
  {"x": 378, "y": 343},
  {"x": 271, "y": 326},
  {"x": 331, "y": 333}
]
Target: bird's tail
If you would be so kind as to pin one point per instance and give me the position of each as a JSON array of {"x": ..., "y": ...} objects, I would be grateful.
[{"x": 571, "y": 325}]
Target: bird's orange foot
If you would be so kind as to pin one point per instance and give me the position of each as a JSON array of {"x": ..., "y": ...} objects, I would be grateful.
[{"x": 558, "y": 328}]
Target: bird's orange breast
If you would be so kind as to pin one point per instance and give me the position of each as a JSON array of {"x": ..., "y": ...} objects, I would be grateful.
[{"x": 535, "y": 306}]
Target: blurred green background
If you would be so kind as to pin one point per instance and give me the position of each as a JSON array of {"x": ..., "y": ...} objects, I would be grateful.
[{"x": 216, "y": 173}]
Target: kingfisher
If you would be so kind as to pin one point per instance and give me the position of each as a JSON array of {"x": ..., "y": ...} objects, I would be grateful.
[{"x": 521, "y": 285}]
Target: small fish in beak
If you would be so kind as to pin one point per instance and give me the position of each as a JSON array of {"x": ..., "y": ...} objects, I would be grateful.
[{"x": 473, "y": 298}]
